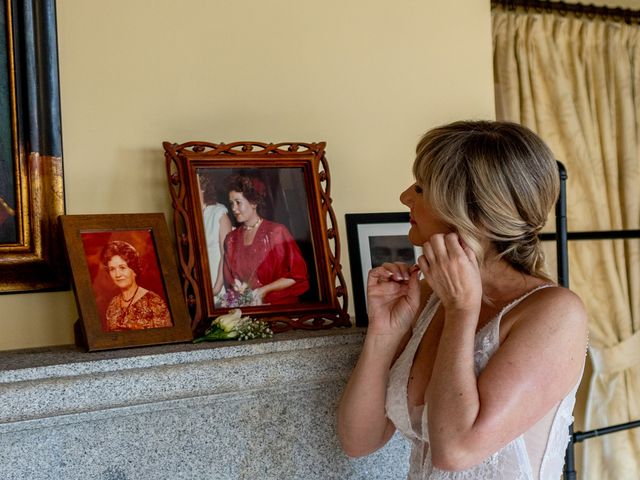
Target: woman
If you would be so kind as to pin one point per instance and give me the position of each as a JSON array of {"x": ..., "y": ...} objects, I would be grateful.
[
  {"x": 216, "y": 227},
  {"x": 262, "y": 262},
  {"x": 135, "y": 307},
  {"x": 477, "y": 366}
]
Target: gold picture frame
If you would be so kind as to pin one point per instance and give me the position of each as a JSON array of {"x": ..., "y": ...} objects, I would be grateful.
[{"x": 32, "y": 184}]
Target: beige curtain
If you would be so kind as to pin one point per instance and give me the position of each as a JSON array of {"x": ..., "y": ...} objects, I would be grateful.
[{"x": 576, "y": 82}]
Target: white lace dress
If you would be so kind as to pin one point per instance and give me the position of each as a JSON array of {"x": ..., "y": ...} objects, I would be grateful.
[{"x": 537, "y": 454}]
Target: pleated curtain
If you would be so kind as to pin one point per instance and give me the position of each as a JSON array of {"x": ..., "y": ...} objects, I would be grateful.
[{"x": 576, "y": 82}]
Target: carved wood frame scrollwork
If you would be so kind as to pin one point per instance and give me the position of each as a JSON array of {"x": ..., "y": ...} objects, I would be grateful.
[{"x": 184, "y": 161}]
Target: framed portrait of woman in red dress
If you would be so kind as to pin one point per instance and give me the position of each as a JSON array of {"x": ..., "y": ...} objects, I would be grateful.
[{"x": 258, "y": 232}]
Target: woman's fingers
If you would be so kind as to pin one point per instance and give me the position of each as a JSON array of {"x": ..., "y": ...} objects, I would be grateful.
[
  {"x": 438, "y": 247},
  {"x": 400, "y": 271},
  {"x": 393, "y": 297},
  {"x": 423, "y": 263},
  {"x": 440, "y": 259},
  {"x": 429, "y": 254},
  {"x": 471, "y": 255},
  {"x": 457, "y": 246},
  {"x": 397, "y": 272},
  {"x": 452, "y": 244},
  {"x": 451, "y": 270},
  {"x": 443, "y": 247}
]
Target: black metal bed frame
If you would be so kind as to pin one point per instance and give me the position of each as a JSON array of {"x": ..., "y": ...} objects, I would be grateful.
[{"x": 561, "y": 237}]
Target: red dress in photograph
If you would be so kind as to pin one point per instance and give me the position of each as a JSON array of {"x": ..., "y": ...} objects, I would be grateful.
[{"x": 273, "y": 254}]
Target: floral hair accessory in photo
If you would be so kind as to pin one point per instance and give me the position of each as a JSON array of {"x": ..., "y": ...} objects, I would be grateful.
[
  {"x": 233, "y": 326},
  {"x": 259, "y": 186}
]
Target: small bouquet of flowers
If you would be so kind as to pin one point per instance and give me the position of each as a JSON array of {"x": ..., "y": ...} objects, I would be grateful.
[
  {"x": 241, "y": 295},
  {"x": 233, "y": 326}
]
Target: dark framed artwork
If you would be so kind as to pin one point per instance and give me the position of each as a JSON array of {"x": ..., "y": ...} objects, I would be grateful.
[
  {"x": 31, "y": 177},
  {"x": 125, "y": 281},
  {"x": 257, "y": 232},
  {"x": 375, "y": 238}
]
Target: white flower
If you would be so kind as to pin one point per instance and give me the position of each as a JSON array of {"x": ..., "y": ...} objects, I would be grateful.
[
  {"x": 234, "y": 326},
  {"x": 230, "y": 321}
]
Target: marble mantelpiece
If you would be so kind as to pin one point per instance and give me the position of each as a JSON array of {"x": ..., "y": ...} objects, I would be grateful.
[{"x": 239, "y": 410}]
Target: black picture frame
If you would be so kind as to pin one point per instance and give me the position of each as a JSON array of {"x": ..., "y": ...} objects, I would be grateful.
[{"x": 364, "y": 230}]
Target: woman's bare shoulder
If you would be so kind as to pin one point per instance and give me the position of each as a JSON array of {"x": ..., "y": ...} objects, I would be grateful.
[
  {"x": 556, "y": 300},
  {"x": 556, "y": 310},
  {"x": 538, "y": 363}
]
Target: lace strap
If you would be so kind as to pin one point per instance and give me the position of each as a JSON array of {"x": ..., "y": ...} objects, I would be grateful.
[{"x": 515, "y": 302}]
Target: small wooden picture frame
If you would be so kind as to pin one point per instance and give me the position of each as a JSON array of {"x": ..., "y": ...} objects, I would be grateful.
[{"x": 125, "y": 281}]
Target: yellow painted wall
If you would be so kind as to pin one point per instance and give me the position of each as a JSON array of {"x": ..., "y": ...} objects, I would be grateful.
[{"x": 366, "y": 76}]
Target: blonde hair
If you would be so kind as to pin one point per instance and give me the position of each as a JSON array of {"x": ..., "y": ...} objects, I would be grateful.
[{"x": 494, "y": 180}]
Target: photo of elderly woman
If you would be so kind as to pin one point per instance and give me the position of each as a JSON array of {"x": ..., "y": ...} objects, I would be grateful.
[
  {"x": 126, "y": 280},
  {"x": 263, "y": 264},
  {"x": 216, "y": 227}
]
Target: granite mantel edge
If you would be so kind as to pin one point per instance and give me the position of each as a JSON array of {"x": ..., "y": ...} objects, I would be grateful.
[{"x": 65, "y": 385}]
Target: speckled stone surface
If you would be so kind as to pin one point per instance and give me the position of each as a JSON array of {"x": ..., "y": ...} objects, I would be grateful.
[{"x": 242, "y": 410}]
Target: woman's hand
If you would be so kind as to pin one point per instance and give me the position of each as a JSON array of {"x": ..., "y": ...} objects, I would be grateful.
[
  {"x": 452, "y": 271},
  {"x": 393, "y": 298},
  {"x": 257, "y": 296}
]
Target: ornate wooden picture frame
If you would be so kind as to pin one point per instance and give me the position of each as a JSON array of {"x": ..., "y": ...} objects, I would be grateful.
[
  {"x": 375, "y": 238},
  {"x": 125, "y": 281},
  {"x": 31, "y": 178},
  {"x": 256, "y": 231}
]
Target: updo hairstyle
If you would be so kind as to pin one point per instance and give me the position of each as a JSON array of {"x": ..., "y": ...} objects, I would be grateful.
[
  {"x": 494, "y": 180},
  {"x": 123, "y": 249},
  {"x": 252, "y": 188}
]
